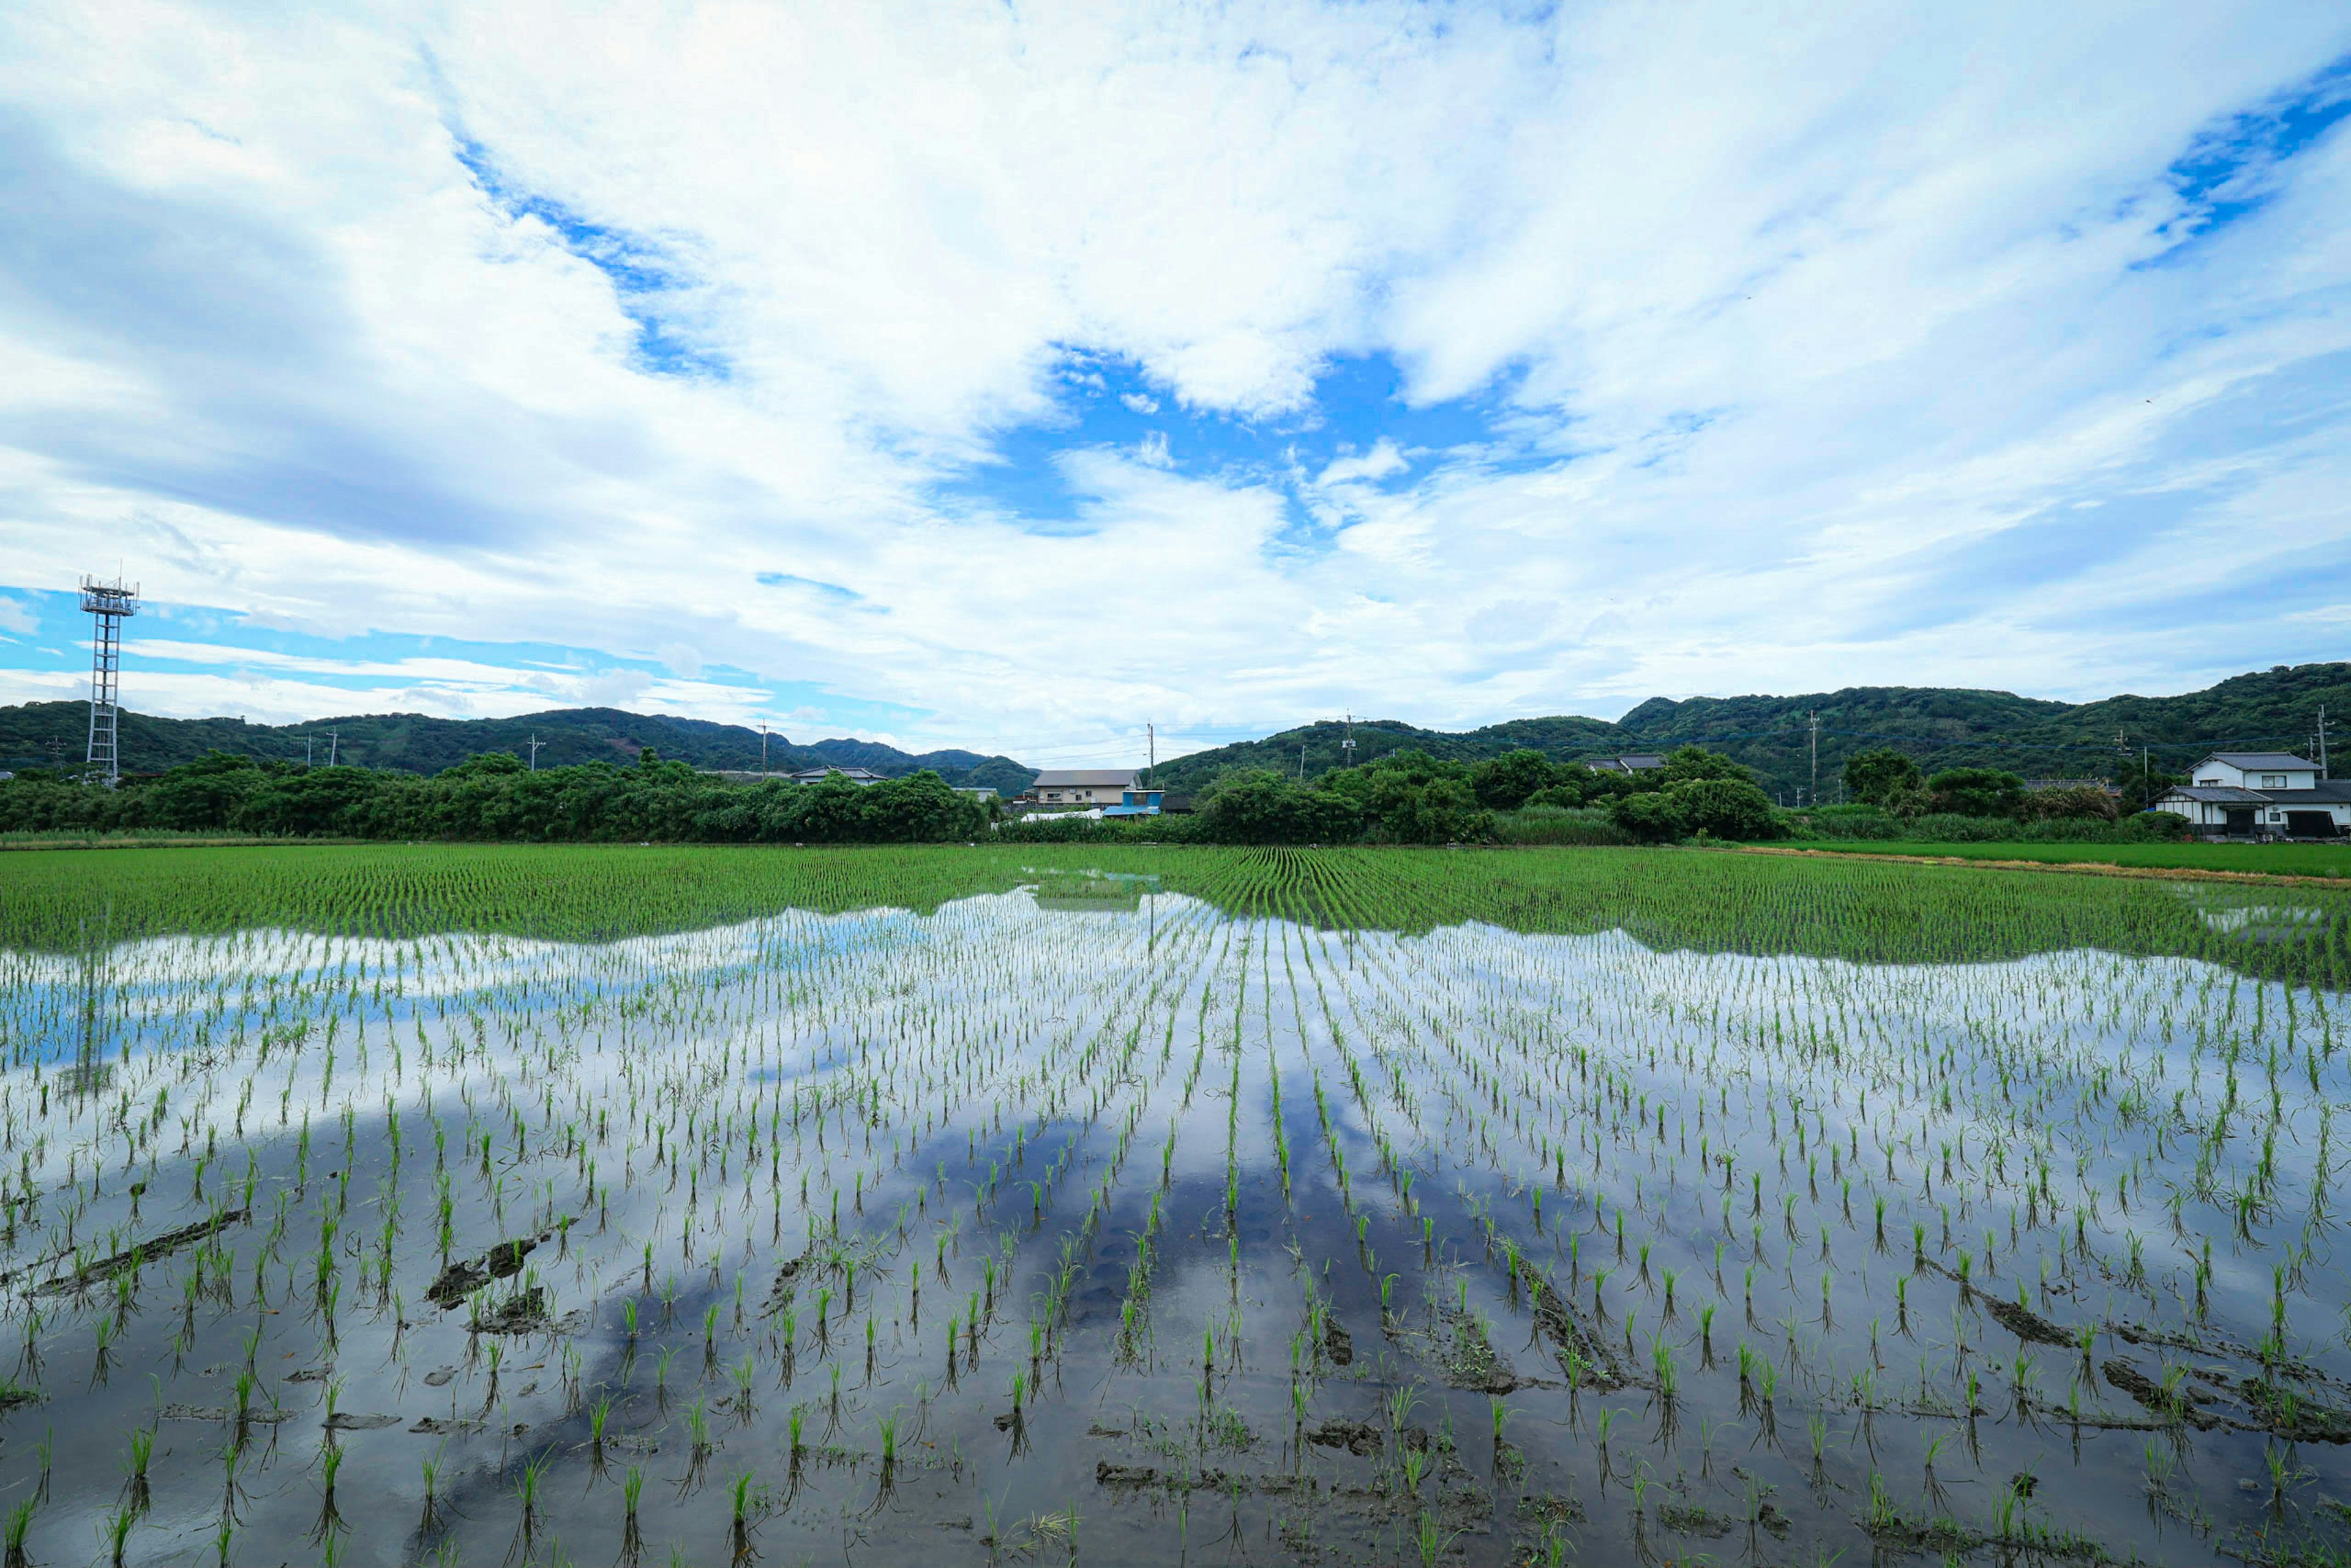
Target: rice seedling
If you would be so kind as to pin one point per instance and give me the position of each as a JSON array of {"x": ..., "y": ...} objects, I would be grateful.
[{"x": 554, "y": 1100}]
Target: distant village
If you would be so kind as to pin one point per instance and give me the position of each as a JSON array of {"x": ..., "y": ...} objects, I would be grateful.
[{"x": 2249, "y": 795}]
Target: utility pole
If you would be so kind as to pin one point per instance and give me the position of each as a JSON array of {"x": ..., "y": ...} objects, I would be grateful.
[
  {"x": 1151, "y": 773},
  {"x": 306, "y": 754},
  {"x": 1301, "y": 764},
  {"x": 534, "y": 743},
  {"x": 1815, "y": 727},
  {"x": 2322, "y": 740},
  {"x": 763, "y": 748},
  {"x": 1347, "y": 746},
  {"x": 334, "y": 739}
]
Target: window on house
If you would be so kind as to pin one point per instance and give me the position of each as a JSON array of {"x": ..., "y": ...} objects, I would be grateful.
[{"x": 2272, "y": 780}]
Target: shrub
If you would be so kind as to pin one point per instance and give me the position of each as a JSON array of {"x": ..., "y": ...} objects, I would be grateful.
[
  {"x": 1976, "y": 792},
  {"x": 1725, "y": 808},
  {"x": 1558, "y": 825},
  {"x": 1650, "y": 816},
  {"x": 2081, "y": 803},
  {"x": 1259, "y": 806},
  {"x": 1562, "y": 797},
  {"x": 1077, "y": 828},
  {"x": 1851, "y": 822},
  {"x": 1959, "y": 828}
]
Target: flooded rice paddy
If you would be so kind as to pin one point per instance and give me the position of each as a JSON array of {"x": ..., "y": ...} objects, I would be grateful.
[{"x": 384, "y": 1206}]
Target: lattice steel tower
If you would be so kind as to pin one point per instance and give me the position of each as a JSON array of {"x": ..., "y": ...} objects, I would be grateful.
[{"x": 108, "y": 603}]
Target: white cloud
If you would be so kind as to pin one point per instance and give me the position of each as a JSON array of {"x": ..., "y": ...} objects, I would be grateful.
[
  {"x": 1382, "y": 462},
  {"x": 17, "y": 617},
  {"x": 1829, "y": 318}
]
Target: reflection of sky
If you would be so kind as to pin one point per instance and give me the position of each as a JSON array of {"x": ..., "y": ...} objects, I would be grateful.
[{"x": 2093, "y": 1024}]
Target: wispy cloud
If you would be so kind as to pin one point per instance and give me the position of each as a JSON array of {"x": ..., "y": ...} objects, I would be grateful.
[{"x": 1036, "y": 371}]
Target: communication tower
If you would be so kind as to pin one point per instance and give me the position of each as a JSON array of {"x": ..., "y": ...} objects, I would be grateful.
[{"x": 108, "y": 603}]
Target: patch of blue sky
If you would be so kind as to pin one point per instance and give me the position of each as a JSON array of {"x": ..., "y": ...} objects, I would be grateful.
[
  {"x": 1106, "y": 402},
  {"x": 641, "y": 271},
  {"x": 194, "y": 639},
  {"x": 2301, "y": 594},
  {"x": 832, "y": 590},
  {"x": 2231, "y": 170}
]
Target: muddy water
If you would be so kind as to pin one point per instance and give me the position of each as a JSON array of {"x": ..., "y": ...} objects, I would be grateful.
[{"x": 1299, "y": 1245}]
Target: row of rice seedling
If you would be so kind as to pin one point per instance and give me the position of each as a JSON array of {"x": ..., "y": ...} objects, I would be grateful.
[{"x": 1527, "y": 1207}]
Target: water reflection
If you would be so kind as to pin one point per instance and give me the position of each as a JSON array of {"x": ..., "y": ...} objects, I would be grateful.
[{"x": 1160, "y": 1227}]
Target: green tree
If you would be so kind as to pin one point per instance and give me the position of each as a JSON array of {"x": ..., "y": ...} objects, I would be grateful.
[
  {"x": 1259, "y": 806},
  {"x": 1977, "y": 792},
  {"x": 484, "y": 765},
  {"x": 1687, "y": 764},
  {"x": 1725, "y": 808},
  {"x": 1652, "y": 816},
  {"x": 2144, "y": 783},
  {"x": 1506, "y": 782},
  {"x": 1872, "y": 777},
  {"x": 205, "y": 793},
  {"x": 310, "y": 803}
]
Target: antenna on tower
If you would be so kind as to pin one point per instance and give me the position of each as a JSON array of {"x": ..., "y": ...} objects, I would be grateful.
[
  {"x": 107, "y": 605},
  {"x": 1347, "y": 746}
]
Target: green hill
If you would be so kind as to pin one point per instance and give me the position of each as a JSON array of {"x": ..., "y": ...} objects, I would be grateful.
[
  {"x": 1939, "y": 726},
  {"x": 1561, "y": 737},
  {"x": 57, "y": 734}
]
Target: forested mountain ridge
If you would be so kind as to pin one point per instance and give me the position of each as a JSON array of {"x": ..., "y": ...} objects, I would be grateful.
[
  {"x": 56, "y": 734},
  {"x": 1938, "y": 726}
]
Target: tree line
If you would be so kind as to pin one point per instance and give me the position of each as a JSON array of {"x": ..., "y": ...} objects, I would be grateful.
[
  {"x": 493, "y": 796},
  {"x": 1404, "y": 798}
]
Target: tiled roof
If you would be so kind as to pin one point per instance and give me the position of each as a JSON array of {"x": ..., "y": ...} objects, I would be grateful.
[
  {"x": 2326, "y": 791},
  {"x": 2256, "y": 759}
]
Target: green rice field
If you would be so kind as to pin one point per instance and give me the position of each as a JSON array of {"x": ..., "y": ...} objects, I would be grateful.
[
  {"x": 508, "y": 1205},
  {"x": 2270, "y": 860}
]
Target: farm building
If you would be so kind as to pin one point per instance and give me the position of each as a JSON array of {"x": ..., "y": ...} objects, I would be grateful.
[
  {"x": 2250, "y": 794},
  {"x": 1631, "y": 762}
]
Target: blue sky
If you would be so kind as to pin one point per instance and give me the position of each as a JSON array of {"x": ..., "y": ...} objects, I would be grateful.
[{"x": 1012, "y": 376}]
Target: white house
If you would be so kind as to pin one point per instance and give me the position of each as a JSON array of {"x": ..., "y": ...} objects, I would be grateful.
[
  {"x": 1083, "y": 786},
  {"x": 2244, "y": 794}
]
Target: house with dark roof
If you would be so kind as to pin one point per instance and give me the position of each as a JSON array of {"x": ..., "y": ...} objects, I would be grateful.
[
  {"x": 2260, "y": 794},
  {"x": 1631, "y": 762}
]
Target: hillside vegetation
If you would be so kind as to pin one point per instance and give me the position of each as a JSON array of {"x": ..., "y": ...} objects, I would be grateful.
[
  {"x": 1939, "y": 727},
  {"x": 56, "y": 734}
]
